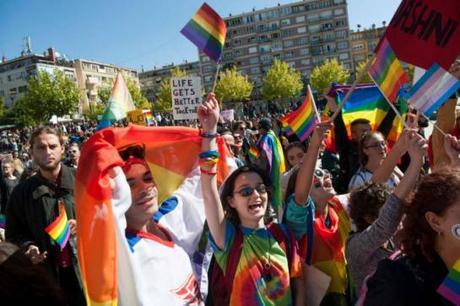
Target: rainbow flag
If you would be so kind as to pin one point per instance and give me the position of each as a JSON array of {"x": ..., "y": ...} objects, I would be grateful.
[
  {"x": 59, "y": 229},
  {"x": 432, "y": 90},
  {"x": 387, "y": 72},
  {"x": 450, "y": 287},
  {"x": 108, "y": 271},
  {"x": 2, "y": 221},
  {"x": 254, "y": 153},
  {"x": 397, "y": 125},
  {"x": 207, "y": 30},
  {"x": 302, "y": 120},
  {"x": 273, "y": 152},
  {"x": 120, "y": 103},
  {"x": 366, "y": 102}
]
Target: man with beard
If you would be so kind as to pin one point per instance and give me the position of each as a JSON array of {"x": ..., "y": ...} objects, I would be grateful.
[{"x": 38, "y": 201}]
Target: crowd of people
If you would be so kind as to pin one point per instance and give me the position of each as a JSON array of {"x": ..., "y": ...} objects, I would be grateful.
[{"x": 356, "y": 225}]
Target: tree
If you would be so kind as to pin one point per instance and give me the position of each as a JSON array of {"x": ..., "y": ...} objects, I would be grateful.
[
  {"x": 331, "y": 71},
  {"x": 2, "y": 107},
  {"x": 47, "y": 95},
  {"x": 140, "y": 101},
  {"x": 365, "y": 78},
  {"x": 233, "y": 86},
  {"x": 163, "y": 101},
  {"x": 281, "y": 82}
]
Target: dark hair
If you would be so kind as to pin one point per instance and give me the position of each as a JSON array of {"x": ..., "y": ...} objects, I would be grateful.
[
  {"x": 137, "y": 151},
  {"x": 228, "y": 188},
  {"x": 365, "y": 202},
  {"x": 436, "y": 193},
  {"x": 359, "y": 121},
  {"x": 23, "y": 283},
  {"x": 290, "y": 189},
  {"x": 45, "y": 130},
  {"x": 363, "y": 158}
]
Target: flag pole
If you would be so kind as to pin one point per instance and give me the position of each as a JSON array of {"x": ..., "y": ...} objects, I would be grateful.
[
  {"x": 215, "y": 77},
  {"x": 434, "y": 124},
  {"x": 358, "y": 79},
  {"x": 313, "y": 102}
]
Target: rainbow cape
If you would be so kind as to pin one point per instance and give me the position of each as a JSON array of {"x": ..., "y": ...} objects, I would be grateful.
[
  {"x": 273, "y": 152},
  {"x": 450, "y": 287},
  {"x": 59, "y": 229},
  {"x": 387, "y": 72},
  {"x": 302, "y": 120},
  {"x": 119, "y": 104},
  {"x": 366, "y": 102},
  {"x": 172, "y": 155},
  {"x": 207, "y": 30}
]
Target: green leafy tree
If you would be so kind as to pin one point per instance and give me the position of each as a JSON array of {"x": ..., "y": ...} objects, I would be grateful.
[
  {"x": 331, "y": 71},
  {"x": 94, "y": 111},
  {"x": 22, "y": 113},
  {"x": 281, "y": 82},
  {"x": 365, "y": 78},
  {"x": 3, "y": 109},
  {"x": 163, "y": 101},
  {"x": 47, "y": 95},
  {"x": 233, "y": 86}
]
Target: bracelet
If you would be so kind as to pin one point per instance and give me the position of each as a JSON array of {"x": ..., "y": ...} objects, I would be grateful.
[
  {"x": 209, "y": 154},
  {"x": 208, "y": 135},
  {"x": 208, "y": 162},
  {"x": 207, "y": 172}
]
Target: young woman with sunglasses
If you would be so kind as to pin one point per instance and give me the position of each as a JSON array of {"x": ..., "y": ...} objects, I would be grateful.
[
  {"x": 266, "y": 274},
  {"x": 318, "y": 217}
]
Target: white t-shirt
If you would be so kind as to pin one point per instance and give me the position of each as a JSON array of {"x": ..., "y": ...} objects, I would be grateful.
[{"x": 363, "y": 176}]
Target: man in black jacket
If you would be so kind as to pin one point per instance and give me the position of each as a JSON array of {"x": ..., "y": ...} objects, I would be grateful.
[{"x": 34, "y": 204}]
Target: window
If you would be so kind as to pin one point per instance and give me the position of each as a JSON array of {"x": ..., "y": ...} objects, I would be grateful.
[
  {"x": 255, "y": 70},
  {"x": 358, "y": 47},
  {"x": 286, "y": 11},
  {"x": 252, "y": 50},
  {"x": 302, "y": 30},
  {"x": 208, "y": 78},
  {"x": 303, "y": 51},
  {"x": 341, "y": 34},
  {"x": 346, "y": 66},
  {"x": 314, "y": 28},
  {"x": 288, "y": 43},
  {"x": 253, "y": 60},
  {"x": 286, "y": 21},
  {"x": 344, "y": 56},
  {"x": 305, "y": 62},
  {"x": 265, "y": 48},
  {"x": 325, "y": 14},
  {"x": 342, "y": 45},
  {"x": 341, "y": 23},
  {"x": 22, "y": 89},
  {"x": 313, "y": 17},
  {"x": 300, "y": 19},
  {"x": 338, "y": 1},
  {"x": 277, "y": 46},
  {"x": 298, "y": 9},
  {"x": 339, "y": 11},
  {"x": 360, "y": 58},
  {"x": 288, "y": 54},
  {"x": 303, "y": 41}
]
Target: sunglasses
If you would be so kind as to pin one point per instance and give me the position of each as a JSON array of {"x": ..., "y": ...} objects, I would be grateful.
[
  {"x": 248, "y": 191},
  {"x": 320, "y": 175}
]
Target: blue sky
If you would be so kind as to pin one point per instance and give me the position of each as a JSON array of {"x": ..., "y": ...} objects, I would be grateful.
[{"x": 132, "y": 33}]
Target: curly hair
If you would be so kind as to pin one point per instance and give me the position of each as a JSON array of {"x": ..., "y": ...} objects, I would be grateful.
[
  {"x": 228, "y": 189},
  {"x": 436, "y": 193},
  {"x": 365, "y": 202}
]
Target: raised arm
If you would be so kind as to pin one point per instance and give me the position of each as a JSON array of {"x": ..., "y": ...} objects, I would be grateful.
[
  {"x": 208, "y": 114},
  {"x": 305, "y": 175},
  {"x": 452, "y": 148}
]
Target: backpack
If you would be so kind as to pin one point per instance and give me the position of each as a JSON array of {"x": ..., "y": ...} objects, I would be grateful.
[{"x": 221, "y": 284}]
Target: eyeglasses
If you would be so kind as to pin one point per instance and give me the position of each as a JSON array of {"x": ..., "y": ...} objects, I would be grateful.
[
  {"x": 380, "y": 144},
  {"x": 248, "y": 191}
]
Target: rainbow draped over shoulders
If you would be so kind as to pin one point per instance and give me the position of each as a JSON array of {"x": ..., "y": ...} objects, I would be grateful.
[
  {"x": 302, "y": 120},
  {"x": 387, "y": 72},
  {"x": 366, "y": 102},
  {"x": 450, "y": 287},
  {"x": 207, "y": 30},
  {"x": 59, "y": 229},
  {"x": 171, "y": 154}
]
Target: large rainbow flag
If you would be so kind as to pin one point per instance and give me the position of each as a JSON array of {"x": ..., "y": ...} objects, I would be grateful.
[
  {"x": 59, "y": 229},
  {"x": 207, "y": 30},
  {"x": 366, "y": 102},
  {"x": 387, "y": 72},
  {"x": 107, "y": 267},
  {"x": 450, "y": 287},
  {"x": 302, "y": 120},
  {"x": 119, "y": 104}
]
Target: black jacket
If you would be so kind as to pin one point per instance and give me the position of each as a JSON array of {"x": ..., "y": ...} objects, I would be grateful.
[
  {"x": 407, "y": 282},
  {"x": 32, "y": 206}
]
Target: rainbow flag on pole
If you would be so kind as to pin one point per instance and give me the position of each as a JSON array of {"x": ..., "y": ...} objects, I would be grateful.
[
  {"x": 120, "y": 103},
  {"x": 387, "y": 72},
  {"x": 302, "y": 120},
  {"x": 432, "y": 90},
  {"x": 59, "y": 229},
  {"x": 207, "y": 30},
  {"x": 450, "y": 287}
]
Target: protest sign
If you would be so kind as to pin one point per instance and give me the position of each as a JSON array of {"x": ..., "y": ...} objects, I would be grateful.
[
  {"x": 228, "y": 115},
  {"x": 423, "y": 32},
  {"x": 136, "y": 116},
  {"x": 186, "y": 97}
]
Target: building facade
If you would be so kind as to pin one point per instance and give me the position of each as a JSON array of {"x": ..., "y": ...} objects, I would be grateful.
[
  {"x": 303, "y": 34},
  {"x": 15, "y": 73},
  {"x": 93, "y": 75},
  {"x": 150, "y": 80},
  {"x": 363, "y": 43}
]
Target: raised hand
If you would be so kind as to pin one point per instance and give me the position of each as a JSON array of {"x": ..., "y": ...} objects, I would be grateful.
[
  {"x": 208, "y": 113},
  {"x": 455, "y": 68},
  {"x": 320, "y": 132},
  {"x": 33, "y": 252},
  {"x": 452, "y": 148},
  {"x": 417, "y": 147}
]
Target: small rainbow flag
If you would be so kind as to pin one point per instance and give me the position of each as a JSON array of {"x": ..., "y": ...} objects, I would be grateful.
[
  {"x": 302, "y": 120},
  {"x": 397, "y": 125},
  {"x": 2, "y": 221},
  {"x": 207, "y": 30},
  {"x": 59, "y": 229},
  {"x": 450, "y": 287},
  {"x": 387, "y": 72}
]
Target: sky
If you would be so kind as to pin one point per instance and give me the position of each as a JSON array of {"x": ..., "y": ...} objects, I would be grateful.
[{"x": 135, "y": 33}]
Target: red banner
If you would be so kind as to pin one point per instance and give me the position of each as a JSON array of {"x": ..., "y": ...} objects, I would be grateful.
[{"x": 423, "y": 32}]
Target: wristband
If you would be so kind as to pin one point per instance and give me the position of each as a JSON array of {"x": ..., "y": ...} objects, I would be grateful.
[
  {"x": 209, "y": 154},
  {"x": 207, "y": 172},
  {"x": 208, "y": 135}
]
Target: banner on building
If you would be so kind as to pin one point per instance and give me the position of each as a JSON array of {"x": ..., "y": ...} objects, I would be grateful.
[
  {"x": 423, "y": 32},
  {"x": 186, "y": 97}
]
